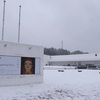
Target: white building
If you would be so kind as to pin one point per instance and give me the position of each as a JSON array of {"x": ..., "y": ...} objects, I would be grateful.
[{"x": 83, "y": 60}]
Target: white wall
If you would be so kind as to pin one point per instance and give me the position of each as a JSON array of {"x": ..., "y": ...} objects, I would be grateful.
[
  {"x": 9, "y": 49},
  {"x": 46, "y": 60},
  {"x": 17, "y": 49},
  {"x": 11, "y": 80}
]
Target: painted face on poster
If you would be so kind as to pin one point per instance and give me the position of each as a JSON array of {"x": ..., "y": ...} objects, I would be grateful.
[{"x": 27, "y": 65}]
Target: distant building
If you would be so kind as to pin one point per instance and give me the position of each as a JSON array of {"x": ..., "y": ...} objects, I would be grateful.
[{"x": 79, "y": 60}]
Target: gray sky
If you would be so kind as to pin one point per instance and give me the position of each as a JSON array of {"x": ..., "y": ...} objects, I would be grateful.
[{"x": 48, "y": 22}]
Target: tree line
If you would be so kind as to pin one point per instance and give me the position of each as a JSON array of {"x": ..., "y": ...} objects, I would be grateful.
[{"x": 60, "y": 51}]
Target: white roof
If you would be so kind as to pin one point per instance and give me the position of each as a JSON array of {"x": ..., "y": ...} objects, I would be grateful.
[{"x": 78, "y": 57}]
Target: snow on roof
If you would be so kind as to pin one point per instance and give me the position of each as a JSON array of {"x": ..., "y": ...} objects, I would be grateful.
[{"x": 78, "y": 57}]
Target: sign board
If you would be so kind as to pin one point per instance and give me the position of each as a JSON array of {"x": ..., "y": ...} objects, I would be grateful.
[{"x": 10, "y": 65}]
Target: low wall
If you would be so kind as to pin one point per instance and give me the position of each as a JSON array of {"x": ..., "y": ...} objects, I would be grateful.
[{"x": 12, "y": 80}]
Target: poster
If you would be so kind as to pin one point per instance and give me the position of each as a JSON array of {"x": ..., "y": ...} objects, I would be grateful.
[
  {"x": 9, "y": 65},
  {"x": 27, "y": 65}
]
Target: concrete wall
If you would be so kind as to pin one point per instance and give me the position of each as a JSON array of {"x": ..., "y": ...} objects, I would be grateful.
[
  {"x": 21, "y": 50},
  {"x": 17, "y": 49}
]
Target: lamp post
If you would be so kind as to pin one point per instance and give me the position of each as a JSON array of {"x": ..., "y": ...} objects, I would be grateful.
[{"x": 3, "y": 20}]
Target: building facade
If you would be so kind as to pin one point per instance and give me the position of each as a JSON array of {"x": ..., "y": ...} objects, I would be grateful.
[{"x": 80, "y": 60}]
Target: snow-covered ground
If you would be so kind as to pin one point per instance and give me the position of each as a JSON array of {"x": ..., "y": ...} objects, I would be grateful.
[{"x": 67, "y": 85}]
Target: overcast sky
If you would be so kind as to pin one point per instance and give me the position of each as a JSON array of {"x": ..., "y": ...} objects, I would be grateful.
[{"x": 48, "y": 22}]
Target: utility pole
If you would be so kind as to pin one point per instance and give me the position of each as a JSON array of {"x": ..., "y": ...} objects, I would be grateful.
[
  {"x": 3, "y": 20},
  {"x": 19, "y": 24}
]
